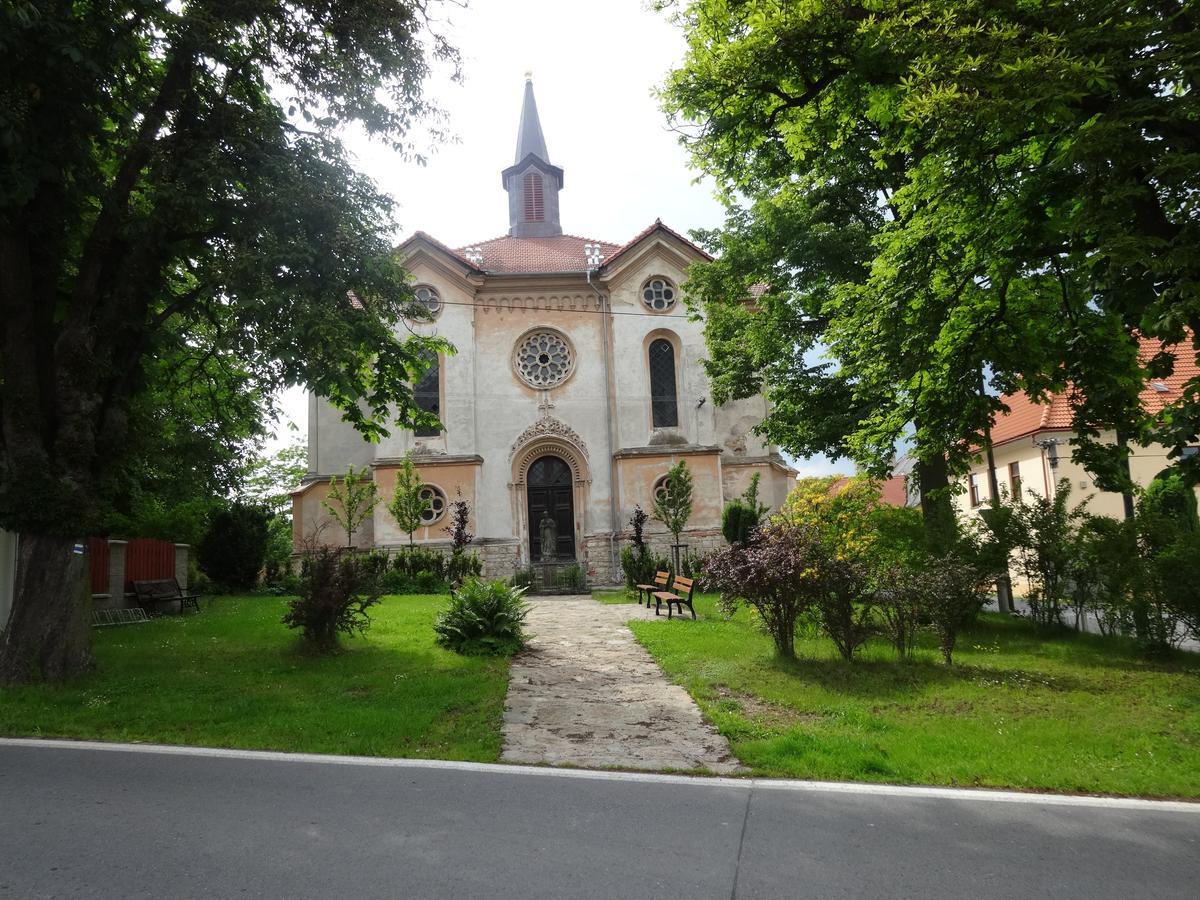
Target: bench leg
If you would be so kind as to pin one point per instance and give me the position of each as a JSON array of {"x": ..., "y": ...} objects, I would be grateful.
[
  {"x": 657, "y": 606},
  {"x": 690, "y": 607}
]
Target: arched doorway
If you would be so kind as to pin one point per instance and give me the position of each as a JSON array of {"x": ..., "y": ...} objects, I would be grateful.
[{"x": 550, "y": 494}]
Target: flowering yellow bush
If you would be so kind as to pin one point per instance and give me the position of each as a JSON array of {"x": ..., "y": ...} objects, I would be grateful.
[{"x": 839, "y": 508}]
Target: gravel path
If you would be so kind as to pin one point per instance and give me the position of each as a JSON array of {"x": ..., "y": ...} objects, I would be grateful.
[{"x": 585, "y": 693}]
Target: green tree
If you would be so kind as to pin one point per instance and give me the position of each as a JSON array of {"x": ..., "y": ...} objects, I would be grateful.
[
  {"x": 934, "y": 190},
  {"x": 673, "y": 505},
  {"x": 351, "y": 500},
  {"x": 176, "y": 207},
  {"x": 234, "y": 547},
  {"x": 407, "y": 505},
  {"x": 268, "y": 480}
]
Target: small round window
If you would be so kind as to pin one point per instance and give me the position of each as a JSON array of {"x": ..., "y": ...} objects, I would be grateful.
[
  {"x": 658, "y": 294},
  {"x": 428, "y": 298},
  {"x": 661, "y": 487},
  {"x": 436, "y": 501}
]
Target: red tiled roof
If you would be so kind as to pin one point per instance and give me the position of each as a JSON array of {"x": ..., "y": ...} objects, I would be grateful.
[
  {"x": 657, "y": 225},
  {"x": 562, "y": 253},
  {"x": 429, "y": 238},
  {"x": 894, "y": 491},
  {"x": 1026, "y": 418}
]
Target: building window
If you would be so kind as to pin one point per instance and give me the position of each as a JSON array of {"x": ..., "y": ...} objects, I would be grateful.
[
  {"x": 658, "y": 294},
  {"x": 1014, "y": 480},
  {"x": 436, "y": 499},
  {"x": 1189, "y": 452},
  {"x": 544, "y": 359},
  {"x": 660, "y": 488},
  {"x": 428, "y": 298},
  {"x": 535, "y": 208},
  {"x": 973, "y": 484},
  {"x": 663, "y": 404},
  {"x": 427, "y": 395}
]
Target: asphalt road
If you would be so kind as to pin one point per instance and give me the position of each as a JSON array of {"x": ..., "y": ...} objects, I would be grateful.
[{"x": 84, "y": 822}]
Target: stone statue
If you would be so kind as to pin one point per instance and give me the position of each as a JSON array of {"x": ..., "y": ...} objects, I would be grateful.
[{"x": 549, "y": 533}]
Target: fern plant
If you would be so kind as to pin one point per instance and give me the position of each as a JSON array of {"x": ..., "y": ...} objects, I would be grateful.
[{"x": 484, "y": 618}]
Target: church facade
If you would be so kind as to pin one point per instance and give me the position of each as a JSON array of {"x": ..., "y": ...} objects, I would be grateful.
[{"x": 577, "y": 384}]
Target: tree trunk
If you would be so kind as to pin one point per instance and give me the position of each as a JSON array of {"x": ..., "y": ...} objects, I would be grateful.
[
  {"x": 933, "y": 476},
  {"x": 48, "y": 638}
]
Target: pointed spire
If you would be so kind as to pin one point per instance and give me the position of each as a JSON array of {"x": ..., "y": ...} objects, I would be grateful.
[{"x": 529, "y": 134}]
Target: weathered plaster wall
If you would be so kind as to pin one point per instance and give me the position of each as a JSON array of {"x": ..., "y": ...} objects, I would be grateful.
[
  {"x": 454, "y": 479},
  {"x": 311, "y": 521}
]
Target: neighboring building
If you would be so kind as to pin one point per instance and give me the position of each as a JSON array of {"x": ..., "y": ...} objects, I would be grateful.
[
  {"x": 1031, "y": 447},
  {"x": 577, "y": 384}
]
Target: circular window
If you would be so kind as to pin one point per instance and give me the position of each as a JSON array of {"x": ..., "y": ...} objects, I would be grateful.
[
  {"x": 544, "y": 359},
  {"x": 437, "y": 504},
  {"x": 658, "y": 294},
  {"x": 660, "y": 487},
  {"x": 428, "y": 298}
]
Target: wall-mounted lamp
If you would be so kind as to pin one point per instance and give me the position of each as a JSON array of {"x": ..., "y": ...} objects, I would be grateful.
[{"x": 1050, "y": 446}]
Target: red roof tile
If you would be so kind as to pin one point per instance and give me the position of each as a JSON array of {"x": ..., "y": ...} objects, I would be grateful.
[
  {"x": 894, "y": 491},
  {"x": 1026, "y": 418},
  {"x": 657, "y": 225},
  {"x": 562, "y": 253}
]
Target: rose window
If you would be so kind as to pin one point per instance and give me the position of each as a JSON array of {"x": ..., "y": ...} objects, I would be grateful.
[
  {"x": 658, "y": 294},
  {"x": 544, "y": 359},
  {"x": 436, "y": 501},
  {"x": 428, "y": 298}
]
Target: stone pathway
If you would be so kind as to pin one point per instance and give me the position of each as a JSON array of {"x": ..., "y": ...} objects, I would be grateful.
[{"x": 584, "y": 693}]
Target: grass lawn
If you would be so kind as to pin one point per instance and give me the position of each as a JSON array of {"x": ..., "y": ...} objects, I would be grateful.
[
  {"x": 232, "y": 676},
  {"x": 1079, "y": 714}
]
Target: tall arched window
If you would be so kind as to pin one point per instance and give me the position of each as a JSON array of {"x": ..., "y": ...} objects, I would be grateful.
[
  {"x": 663, "y": 402},
  {"x": 535, "y": 209},
  {"x": 427, "y": 394}
]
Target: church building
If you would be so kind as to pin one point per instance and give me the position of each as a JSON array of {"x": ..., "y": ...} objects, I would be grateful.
[{"x": 577, "y": 384}]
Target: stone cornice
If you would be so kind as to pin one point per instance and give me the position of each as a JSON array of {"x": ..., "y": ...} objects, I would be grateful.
[
  {"x": 666, "y": 450},
  {"x": 431, "y": 459}
]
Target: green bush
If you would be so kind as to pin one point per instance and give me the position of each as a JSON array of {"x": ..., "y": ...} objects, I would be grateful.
[
  {"x": 483, "y": 618},
  {"x": 573, "y": 577},
  {"x": 412, "y": 560},
  {"x": 461, "y": 565},
  {"x": 336, "y": 589},
  {"x": 640, "y": 568},
  {"x": 737, "y": 521},
  {"x": 234, "y": 547}
]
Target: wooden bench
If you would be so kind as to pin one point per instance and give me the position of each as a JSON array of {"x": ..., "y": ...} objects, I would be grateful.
[
  {"x": 660, "y": 583},
  {"x": 680, "y": 593},
  {"x": 164, "y": 590}
]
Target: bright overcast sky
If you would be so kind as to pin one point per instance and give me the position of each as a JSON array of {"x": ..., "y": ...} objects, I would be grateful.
[{"x": 595, "y": 68}]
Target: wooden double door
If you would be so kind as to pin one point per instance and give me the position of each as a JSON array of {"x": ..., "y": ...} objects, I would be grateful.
[{"x": 550, "y": 492}]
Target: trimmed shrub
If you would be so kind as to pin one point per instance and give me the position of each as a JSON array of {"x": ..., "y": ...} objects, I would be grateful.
[
  {"x": 483, "y": 618},
  {"x": 336, "y": 589},
  {"x": 234, "y": 547},
  {"x": 737, "y": 522}
]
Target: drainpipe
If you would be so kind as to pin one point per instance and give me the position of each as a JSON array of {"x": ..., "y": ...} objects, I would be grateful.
[{"x": 605, "y": 320}]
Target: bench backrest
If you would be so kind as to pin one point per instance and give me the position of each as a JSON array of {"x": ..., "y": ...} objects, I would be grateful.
[
  {"x": 160, "y": 589},
  {"x": 661, "y": 578},
  {"x": 683, "y": 585}
]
